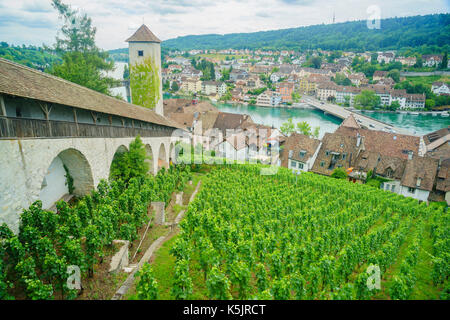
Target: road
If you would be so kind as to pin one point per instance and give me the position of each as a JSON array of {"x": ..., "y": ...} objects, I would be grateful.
[{"x": 344, "y": 113}]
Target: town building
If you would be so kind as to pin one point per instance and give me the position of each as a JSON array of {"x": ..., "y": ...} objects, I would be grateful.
[
  {"x": 299, "y": 152},
  {"x": 285, "y": 89},
  {"x": 440, "y": 88}
]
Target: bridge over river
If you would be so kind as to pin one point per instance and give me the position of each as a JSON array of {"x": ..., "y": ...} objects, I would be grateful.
[{"x": 344, "y": 113}]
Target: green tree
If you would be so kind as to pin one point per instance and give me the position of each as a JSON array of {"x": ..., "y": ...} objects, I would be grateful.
[
  {"x": 304, "y": 128},
  {"x": 296, "y": 96},
  {"x": 126, "y": 72},
  {"x": 429, "y": 104},
  {"x": 339, "y": 173},
  {"x": 82, "y": 62},
  {"x": 393, "y": 106},
  {"x": 394, "y": 75},
  {"x": 367, "y": 99},
  {"x": 287, "y": 127},
  {"x": 130, "y": 164},
  {"x": 444, "y": 63},
  {"x": 175, "y": 86},
  {"x": 316, "y": 132}
]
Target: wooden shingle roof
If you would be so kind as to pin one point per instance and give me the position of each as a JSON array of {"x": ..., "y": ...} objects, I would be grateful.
[
  {"x": 389, "y": 144},
  {"x": 143, "y": 34},
  {"x": 18, "y": 80},
  {"x": 297, "y": 143},
  {"x": 420, "y": 173}
]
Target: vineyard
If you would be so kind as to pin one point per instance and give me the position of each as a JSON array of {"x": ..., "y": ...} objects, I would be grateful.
[
  {"x": 33, "y": 264},
  {"x": 250, "y": 236}
]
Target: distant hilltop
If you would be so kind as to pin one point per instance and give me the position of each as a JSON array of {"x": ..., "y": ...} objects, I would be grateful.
[{"x": 395, "y": 33}]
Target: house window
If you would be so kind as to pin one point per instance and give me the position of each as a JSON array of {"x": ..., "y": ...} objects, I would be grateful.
[
  {"x": 140, "y": 53},
  {"x": 293, "y": 164},
  {"x": 344, "y": 156},
  {"x": 18, "y": 112},
  {"x": 302, "y": 154},
  {"x": 300, "y": 165},
  {"x": 327, "y": 153},
  {"x": 322, "y": 163},
  {"x": 393, "y": 188},
  {"x": 411, "y": 190}
]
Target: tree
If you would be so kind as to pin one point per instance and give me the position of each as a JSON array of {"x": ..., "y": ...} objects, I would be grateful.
[
  {"x": 175, "y": 86},
  {"x": 444, "y": 63},
  {"x": 429, "y": 104},
  {"x": 304, "y": 128},
  {"x": 287, "y": 128},
  {"x": 393, "y": 106},
  {"x": 367, "y": 99},
  {"x": 346, "y": 101},
  {"x": 315, "y": 62},
  {"x": 316, "y": 132},
  {"x": 374, "y": 58},
  {"x": 126, "y": 72},
  {"x": 130, "y": 164},
  {"x": 419, "y": 62},
  {"x": 82, "y": 62},
  {"x": 296, "y": 96},
  {"x": 339, "y": 173},
  {"x": 394, "y": 74}
]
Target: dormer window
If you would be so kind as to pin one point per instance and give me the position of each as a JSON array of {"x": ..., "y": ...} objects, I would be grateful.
[
  {"x": 302, "y": 154},
  {"x": 140, "y": 53},
  {"x": 419, "y": 181}
]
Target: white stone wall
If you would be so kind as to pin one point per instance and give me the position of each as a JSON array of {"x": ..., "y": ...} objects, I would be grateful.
[
  {"x": 25, "y": 163},
  {"x": 418, "y": 194}
]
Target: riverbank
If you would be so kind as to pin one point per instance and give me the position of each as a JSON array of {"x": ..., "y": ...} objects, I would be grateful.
[{"x": 416, "y": 124}]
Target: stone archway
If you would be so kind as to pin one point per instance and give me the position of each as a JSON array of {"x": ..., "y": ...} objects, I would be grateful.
[
  {"x": 68, "y": 170},
  {"x": 150, "y": 159},
  {"x": 172, "y": 159},
  {"x": 162, "y": 157},
  {"x": 121, "y": 150}
]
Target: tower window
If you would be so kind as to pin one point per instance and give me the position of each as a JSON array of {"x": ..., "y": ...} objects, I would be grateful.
[{"x": 140, "y": 53}]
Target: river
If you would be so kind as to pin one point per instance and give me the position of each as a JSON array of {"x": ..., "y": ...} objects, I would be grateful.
[{"x": 417, "y": 124}]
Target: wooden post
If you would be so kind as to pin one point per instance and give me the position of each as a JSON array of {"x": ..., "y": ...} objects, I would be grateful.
[
  {"x": 75, "y": 118},
  {"x": 3, "y": 113},
  {"x": 46, "y": 110},
  {"x": 94, "y": 116},
  {"x": 2, "y": 106}
]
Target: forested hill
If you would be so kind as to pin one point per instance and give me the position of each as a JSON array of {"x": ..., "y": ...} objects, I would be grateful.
[{"x": 395, "y": 33}]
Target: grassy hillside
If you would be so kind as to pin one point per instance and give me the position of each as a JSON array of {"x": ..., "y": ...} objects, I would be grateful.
[
  {"x": 31, "y": 56},
  {"x": 395, "y": 33}
]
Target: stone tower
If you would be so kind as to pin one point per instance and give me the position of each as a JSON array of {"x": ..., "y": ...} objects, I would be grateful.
[{"x": 145, "y": 69}]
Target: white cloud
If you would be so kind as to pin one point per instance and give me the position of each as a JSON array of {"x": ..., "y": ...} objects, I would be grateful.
[{"x": 23, "y": 21}]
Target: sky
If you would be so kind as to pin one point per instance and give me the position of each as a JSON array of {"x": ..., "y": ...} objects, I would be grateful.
[{"x": 34, "y": 22}]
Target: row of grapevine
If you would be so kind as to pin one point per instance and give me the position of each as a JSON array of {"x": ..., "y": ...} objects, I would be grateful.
[
  {"x": 285, "y": 237},
  {"x": 36, "y": 260}
]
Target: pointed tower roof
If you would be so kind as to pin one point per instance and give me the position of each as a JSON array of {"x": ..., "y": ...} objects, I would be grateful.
[
  {"x": 143, "y": 34},
  {"x": 350, "y": 122}
]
